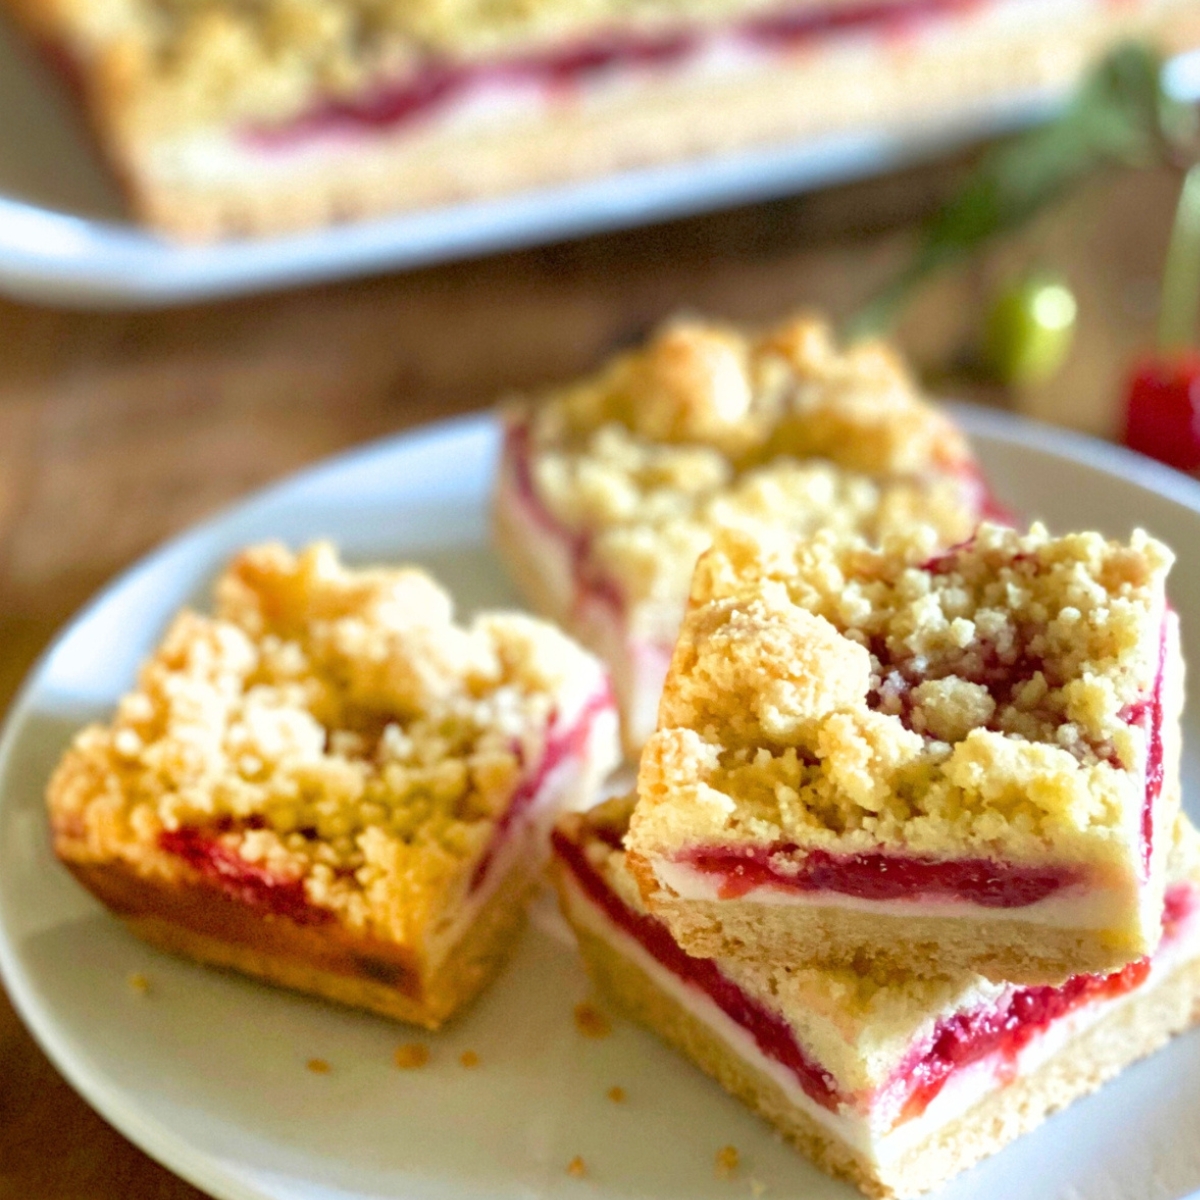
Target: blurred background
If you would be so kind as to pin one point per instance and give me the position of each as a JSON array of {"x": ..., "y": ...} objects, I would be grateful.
[{"x": 138, "y": 394}]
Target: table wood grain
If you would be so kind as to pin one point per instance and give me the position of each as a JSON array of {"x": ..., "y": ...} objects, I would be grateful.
[{"x": 119, "y": 430}]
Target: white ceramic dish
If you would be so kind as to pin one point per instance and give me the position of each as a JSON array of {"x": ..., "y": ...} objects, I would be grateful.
[
  {"x": 207, "y": 1073},
  {"x": 65, "y": 240}
]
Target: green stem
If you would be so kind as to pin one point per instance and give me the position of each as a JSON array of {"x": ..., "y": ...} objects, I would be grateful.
[{"x": 1181, "y": 279}]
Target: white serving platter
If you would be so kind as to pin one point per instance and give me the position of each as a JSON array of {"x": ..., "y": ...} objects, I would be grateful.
[
  {"x": 64, "y": 237},
  {"x": 207, "y": 1072}
]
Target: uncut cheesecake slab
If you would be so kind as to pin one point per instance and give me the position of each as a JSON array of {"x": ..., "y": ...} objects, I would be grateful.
[
  {"x": 958, "y": 760},
  {"x": 610, "y": 488},
  {"x": 892, "y": 1082},
  {"x": 232, "y": 117},
  {"x": 331, "y": 785}
]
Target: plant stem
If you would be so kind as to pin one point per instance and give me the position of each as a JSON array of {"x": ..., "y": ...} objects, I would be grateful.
[{"x": 1181, "y": 278}]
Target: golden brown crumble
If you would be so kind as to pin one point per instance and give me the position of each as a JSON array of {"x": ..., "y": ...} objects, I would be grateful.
[
  {"x": 577, "y": 1168},
  {"x": 591, "y": 1022},
  {"x": 707, "y": 427},
  {"x": 139, "y": 984},
  {"x": 173, "y": 63},
  {"x": 330, "y": 728},
  {"x": 412, "y": 1056},
  {"x": 826, "y": 693},
  {"x": 318, "y": 1066},
  {"x": 617, "y": 1094}
]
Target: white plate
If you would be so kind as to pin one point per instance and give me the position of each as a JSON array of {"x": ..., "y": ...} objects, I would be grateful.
[
  {"x": 208, "y": 1072},
  {"x": 64, "y": 238}
]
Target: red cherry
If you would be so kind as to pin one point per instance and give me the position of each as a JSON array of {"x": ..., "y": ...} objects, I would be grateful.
[{"x": 1162, "y": 414}]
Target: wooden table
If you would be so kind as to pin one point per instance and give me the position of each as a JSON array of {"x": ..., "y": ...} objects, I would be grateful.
[{"x": 117, "y": 431}]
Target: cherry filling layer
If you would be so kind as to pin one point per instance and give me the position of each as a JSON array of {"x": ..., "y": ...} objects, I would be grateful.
[
  {"x": 771, "y": 1033},
  {"x": 1007, "y": 1028},
  {"x": 247, "y": 882},
  {"x": 997, "y": 1032},
  {"x": 877, "y": 876},
  {"x": 255, "y": 885},
  {"x": 438, "y": 82}
]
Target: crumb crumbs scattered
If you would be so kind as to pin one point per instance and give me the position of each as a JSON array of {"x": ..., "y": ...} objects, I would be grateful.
[
  {"x": 616, "y": 1095},
  {"x": 469, "y": 1059},
  {"x": 591, "y": 1022},
  {"x": 757, "y": 1188},
  {"x": 318, "y": 1066},
  {"x": 139, "y": 983},
  {"x": 727, "y": 1161},
  {"x": 577, "y": 1168},
  {"x": 411, "y": 1056}
]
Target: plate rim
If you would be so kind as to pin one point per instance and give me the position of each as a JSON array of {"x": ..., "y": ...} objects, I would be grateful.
[{"x": 161, "y": 1143}]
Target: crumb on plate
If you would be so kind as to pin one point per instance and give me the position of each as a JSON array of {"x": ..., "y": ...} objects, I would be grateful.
[
  {"x": 591, "y": 1022},
  {"x": 411, "y": 1056}
]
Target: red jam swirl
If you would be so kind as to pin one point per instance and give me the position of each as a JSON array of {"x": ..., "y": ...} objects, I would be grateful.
[
  {"x": 1004, "y": 1030},
  {"x": 878, "y": 876},
  {"x": 561, "y": 744},
  {"x": 247, "y": 882},
  {"x": 438, "y": 82},
  {"x": 771, "y": 1033}
]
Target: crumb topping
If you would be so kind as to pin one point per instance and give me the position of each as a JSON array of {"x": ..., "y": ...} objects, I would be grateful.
[
  {"x": 198, "y": 61},
  {"x": 707, "y": 427},
  {"x": 985, "y": 700},
  {"x": 329, "y": 728}
]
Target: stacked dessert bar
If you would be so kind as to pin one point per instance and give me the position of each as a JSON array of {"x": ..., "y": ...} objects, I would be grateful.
[
  {"x": 906, "y": 869},
  {"x": 225, "y": 117}
]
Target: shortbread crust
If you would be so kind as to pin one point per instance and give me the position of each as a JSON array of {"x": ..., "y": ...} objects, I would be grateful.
[
  {"x": 331, "y": 779},
  {"x": 857, "y": 1100},
  {"x": 953, "y": 760},
  {"x": 611, "y": 488}
]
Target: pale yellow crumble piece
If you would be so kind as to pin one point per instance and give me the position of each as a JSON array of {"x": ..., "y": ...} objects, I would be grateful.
[{"x": 826, "y": 693}]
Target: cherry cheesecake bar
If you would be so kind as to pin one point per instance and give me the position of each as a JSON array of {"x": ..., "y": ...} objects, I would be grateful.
[
  {"x": 225, "y": 117},
  {"x": 891, "y": 1081},
  {"x": 331, "y": 785},
  {"x": 958, "y": 759},
  {"x": 610, "y": 489}
]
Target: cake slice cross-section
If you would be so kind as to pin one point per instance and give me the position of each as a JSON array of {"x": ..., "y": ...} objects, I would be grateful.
[
  {"x": 224, "y": 118},
  {"x": 332, "y": 785},
  {"x": 610, "y": 489},
  {"x": 954, "y": 760},
  {"x": 891, "y": 1081}
]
